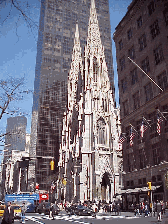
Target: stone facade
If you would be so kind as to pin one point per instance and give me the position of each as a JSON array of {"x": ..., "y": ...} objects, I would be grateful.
[
  {"x": 142, "y": 35},
  {"x": 89, "y": 153}
]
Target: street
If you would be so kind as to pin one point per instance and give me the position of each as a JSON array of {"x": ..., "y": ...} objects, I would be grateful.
[{"x": 124, "y": 217}]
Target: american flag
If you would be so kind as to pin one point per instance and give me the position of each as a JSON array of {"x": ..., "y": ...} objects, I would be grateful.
[
  {"x": 143, "y": 128},
  {"x": 159, "y": 120},
  {"x": 132, "y": 135},
  {"x": 122, "y": 138}
]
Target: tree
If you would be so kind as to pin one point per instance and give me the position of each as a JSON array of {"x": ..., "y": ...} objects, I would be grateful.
[
  {"x": 11, "y": 90},
  {"x": 23, "y": 10}
]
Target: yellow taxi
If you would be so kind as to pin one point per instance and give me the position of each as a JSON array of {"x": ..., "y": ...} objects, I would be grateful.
[
  {"x": 2, "y": 208},
  {"x": 17, "y": 211}
]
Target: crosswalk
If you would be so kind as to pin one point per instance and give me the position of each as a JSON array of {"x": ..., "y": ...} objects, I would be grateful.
[{"x": 75, "y": 219}]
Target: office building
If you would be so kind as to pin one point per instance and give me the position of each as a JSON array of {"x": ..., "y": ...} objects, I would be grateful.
[{"x": 142, "y": 35}]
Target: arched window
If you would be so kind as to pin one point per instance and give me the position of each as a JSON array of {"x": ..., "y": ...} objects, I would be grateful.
[
  {"x": 88, "y": 62},
  {"x": 101, "y": 131}
]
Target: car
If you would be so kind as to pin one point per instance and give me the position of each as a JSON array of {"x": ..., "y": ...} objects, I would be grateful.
[
  {"x": 2, "y": 208},
  {"x": 83, "y": 210},
  {"x": 17, "y": 211}
]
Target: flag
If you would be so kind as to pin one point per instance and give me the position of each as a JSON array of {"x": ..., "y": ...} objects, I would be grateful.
[
  {"x": 143, "y": 128},
  {"x": 159, "y": 120},
  {"x": 132, "y": 135},
  {"x": 122, "y": 138}
]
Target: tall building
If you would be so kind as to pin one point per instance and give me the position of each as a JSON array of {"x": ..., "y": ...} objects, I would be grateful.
[
  {"x": 89, "y": 153},
  {"x": 16, "y": 137},
  {"x": 15, "y": 144},
  {"x": 142, "y": 35},
  {"x": 58, "y": 20}
]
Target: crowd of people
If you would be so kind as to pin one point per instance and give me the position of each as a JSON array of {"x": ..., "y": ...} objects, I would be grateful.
[
  {"x": 146, "y": 209},
  {"x": 96, "y": 207}
]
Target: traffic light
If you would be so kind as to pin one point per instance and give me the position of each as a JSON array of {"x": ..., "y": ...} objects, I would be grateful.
[
  {"x": 150, "y": 185},
  {"x": 148, "y": 193},
  {"x": 52, "y": 165}
]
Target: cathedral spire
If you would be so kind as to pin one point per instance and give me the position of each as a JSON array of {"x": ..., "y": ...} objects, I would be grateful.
[
  {"x": 76, "y": 40},
  {"x": 92, "y": 4},
  {"x": 75, "y": 71}
]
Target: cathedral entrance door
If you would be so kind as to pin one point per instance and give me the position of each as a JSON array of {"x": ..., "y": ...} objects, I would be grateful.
[{"x": 105, "y": 188}]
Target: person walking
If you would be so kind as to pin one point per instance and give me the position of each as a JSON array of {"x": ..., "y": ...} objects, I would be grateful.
[
  {"x": 154, "y": 208},
  {"x": 23, "y": 210},
  {"x": 159, "y": 210},
  {"x": 8, "y": 216}
]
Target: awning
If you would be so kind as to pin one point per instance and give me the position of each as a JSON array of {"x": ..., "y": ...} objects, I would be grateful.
[{"x": 136, "y": 190}]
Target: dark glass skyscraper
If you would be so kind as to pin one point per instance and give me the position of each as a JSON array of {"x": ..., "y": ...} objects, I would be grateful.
[{"x": 58, "y": 20}]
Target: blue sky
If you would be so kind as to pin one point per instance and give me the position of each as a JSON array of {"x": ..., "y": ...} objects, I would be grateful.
[{"x": 18, "y": 48}]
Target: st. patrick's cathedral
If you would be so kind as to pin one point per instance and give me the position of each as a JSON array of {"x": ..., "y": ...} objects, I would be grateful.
[{"x": 90, "y": 160}]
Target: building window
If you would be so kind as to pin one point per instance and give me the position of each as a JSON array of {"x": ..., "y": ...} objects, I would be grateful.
[
  {"x": 158, "y": 53},
  {"x": 139, "y": 22},
  {"x": 162, "y": 80},
  {"x": 122, "y": 63},
  {"x": 142, "y": 156},
  {"x": 125, "y": 108},
  {"x": 155, "y": 153},
  {"x": 148, "y": 91},
  {"x": 142, "y": 42},
  {"x": 159, "y": 178},
  {"x": 48, "y": 38},
  {"x": 139, "y": 181},
  {"x": 130, "y": 159},
  {"x": 131, "y": 52},
  {"x": 101, "y": 131},
  {"x": 154, "y": 28},
  {"x": 134, "y": 76},
  {"x": 120, "y": 45},
  {"x": 165, "y": 109},
  {"x": 127, "y": 131},
  {"x": 151, "y": 7},
  {"x": 129, "y": 34},
  {"x": 153, "y": 179},
  {"x": 153, "y": 121},
  {"x": 165, "y": 13},
  {"x": 144, "y": 180},
  {"x": 145, "y": 65},
  {"x": 127, "y": 183},
  {"x": 132, "y": 183},
  {"x": 136, "y": 100},
  {"x": 124, "y": 84}
]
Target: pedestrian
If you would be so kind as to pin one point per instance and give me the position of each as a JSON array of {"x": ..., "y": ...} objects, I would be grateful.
[
  {"x": 154, "y": 208},
  {"x": 8, "y": 216},
  {"x": 159, "y": 210},
  {"x": 53, "y": 211},
  {"x": 50, "y": 213},
  {"x": 23, "y": 210},
  {"x": 146, "y": 209}
]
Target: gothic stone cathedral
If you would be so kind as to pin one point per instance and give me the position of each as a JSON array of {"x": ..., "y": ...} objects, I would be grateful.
[{"x": 89, "y": 153}]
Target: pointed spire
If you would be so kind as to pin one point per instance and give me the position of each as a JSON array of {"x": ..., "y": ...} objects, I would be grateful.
[
  {"x": 77, "y": 34},
  {"x": 93, "y": 4}
]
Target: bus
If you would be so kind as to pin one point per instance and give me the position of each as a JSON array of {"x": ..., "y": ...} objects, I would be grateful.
[{"x": 31, "y": 200}]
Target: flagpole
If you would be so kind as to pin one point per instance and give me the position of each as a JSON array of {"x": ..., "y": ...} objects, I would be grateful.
[
  {"x": 146, "y": 74},
  {"x": 134, "y": 129},
  {"x": 146, "y": 121},
  {"x": 162, "y": 114}
]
